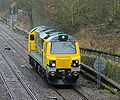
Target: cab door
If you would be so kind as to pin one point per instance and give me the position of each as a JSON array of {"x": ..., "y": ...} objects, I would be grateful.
[{"x": 32, "y": 42}]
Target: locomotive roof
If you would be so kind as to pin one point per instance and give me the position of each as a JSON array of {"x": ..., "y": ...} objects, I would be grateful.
[
  {"x": 40, "y": 29},
  {"x": 56, "y": 37},
  {"x": 50, "y": 34}
]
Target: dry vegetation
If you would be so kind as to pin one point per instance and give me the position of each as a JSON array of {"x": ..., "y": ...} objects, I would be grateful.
[{"x": 109, "y": 42}]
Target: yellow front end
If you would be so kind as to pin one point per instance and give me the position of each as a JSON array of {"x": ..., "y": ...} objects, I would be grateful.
[{"x": 62, "y": 68}]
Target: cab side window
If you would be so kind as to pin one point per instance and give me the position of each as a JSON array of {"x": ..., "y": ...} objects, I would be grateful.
[
  {"x": 40, "y": 43},
  {"x": 31, "y": 37},
  {"x": 45, "y": 47}
]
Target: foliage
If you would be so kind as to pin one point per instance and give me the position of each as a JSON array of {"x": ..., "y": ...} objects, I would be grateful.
[
  {"x": 71, "y": 15},
  {"x": 88, "y": 60},
  {"x": 112, "y": 69}
]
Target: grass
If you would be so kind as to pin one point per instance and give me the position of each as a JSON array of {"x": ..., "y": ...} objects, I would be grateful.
[{"x": 112, "y": 69}]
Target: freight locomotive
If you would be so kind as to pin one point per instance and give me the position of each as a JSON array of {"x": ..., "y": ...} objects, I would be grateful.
[{"x": 55, "y": 55}]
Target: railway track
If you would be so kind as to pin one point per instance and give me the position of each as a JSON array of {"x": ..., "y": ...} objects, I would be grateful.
[
  {"x": 6, "y": 86},
  {"x": 24, "y": 57},
  {"x": 66, "y": 93},
  {"x": 80, "y": 93},
  {"x": 15, "y": 70}
]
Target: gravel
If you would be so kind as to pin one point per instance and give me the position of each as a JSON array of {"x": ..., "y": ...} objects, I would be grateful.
[{"x": 92, "y": 92}]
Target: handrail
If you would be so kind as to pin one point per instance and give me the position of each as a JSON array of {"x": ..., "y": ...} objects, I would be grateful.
[{"x": 99, "y": 52}]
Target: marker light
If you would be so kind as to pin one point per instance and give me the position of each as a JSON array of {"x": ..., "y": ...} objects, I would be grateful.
[
  {"x": 52, "y": 63},
  {"x": 75, "y": 63}
]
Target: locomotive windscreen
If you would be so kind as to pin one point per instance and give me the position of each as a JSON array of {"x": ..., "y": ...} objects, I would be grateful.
[{"x": 63, "y": 47}]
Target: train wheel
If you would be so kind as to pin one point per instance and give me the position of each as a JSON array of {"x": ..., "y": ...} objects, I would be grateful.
[
  {"x": 30, "y": 60},
  {"x": 36, "y": 65},
  {"x": 43, "y": 72},
  {"x": 38, "y": 69}
]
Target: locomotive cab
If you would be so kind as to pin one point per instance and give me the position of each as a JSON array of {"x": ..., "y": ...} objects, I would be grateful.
[{"x": 63, "y": 60}]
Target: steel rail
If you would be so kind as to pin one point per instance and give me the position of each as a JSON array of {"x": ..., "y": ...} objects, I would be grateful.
[
  {"x": 79, "y": 92},
  {"x": 7, "y": 87},
  {"x": 11, "y": 64}
]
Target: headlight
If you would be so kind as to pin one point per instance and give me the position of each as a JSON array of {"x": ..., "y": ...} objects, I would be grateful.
[
  {"x": 52, "y": 63},
  {"x": 75, "y": 63}
]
